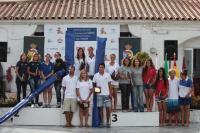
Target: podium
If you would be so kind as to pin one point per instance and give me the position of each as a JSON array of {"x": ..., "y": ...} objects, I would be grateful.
[
  {"x": 139, "y": 119},
  {"x": 55, "y": 116}
]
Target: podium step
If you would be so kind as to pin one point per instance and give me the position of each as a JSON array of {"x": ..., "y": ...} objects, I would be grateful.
[
  {"x": 45, "y": 116},
  {"x": 143, "y": 119},
  {"x": 38, "y": 116},
  {"x": 53, "y": 116}
]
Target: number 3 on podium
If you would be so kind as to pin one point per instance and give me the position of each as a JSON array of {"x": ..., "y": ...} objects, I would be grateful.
[{"x": 114, "y": 118}]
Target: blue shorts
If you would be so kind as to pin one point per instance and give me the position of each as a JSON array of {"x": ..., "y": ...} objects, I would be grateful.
[
  {"x": 146, "y": 87},
  {"x": 172, "y": 105},
  {"x": 103, "y": 101},
  {"x": 185, "y": 100}
]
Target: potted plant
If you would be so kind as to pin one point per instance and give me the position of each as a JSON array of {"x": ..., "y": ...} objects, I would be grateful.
[
  {"x": 8, "y": 102},
  {"x": 143, "y": 56}
]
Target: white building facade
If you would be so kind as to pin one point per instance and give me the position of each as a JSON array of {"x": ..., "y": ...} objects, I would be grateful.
[{"x": 153, "y": 22}]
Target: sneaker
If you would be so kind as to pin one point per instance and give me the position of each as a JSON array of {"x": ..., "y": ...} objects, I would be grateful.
[
  {"x": 58, "y": 105},
  {"x": 107, "y": 125},
  {"x": 16, "y": 115},
  {"x": 48, "y": 106},
  {"x": 45, "y": 105},
  {"x": 36, "y": 106},
  {"x": 124, "y": 110},
  {"x": 101, "y": 125},
  {"x": 32, "y": 105}
]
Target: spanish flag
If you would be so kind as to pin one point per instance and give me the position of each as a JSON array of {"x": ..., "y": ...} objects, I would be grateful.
[{"x": 175, "y": 67}]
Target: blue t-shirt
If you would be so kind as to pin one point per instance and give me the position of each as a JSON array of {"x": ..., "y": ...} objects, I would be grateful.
[{"x": 47, "y": 69}]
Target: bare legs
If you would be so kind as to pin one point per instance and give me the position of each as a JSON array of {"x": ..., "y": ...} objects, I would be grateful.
[
  {"x": 149, "y": 95},
  {"x": 84, "y": 113},
  {"x": 68, "y": 117},
  {"x": 47, "y": 96},
  {"x": 107, "y": 114},
  {"x": 162, "y": 112},
  {"x": 175, "y": 115},
  {"x": 114, "y": 97},
  {"x": 185, "y": 115}
]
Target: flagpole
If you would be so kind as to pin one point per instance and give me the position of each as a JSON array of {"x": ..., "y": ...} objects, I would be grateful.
[{"x": 156, "y": 60}]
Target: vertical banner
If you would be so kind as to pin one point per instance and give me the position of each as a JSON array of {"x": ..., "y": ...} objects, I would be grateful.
[
  {"x": 112, "y": 33},
  {"x": 54, "y": 39},
  {"x": 69, "y": 54},
  {"x": 100, "y": 53}
]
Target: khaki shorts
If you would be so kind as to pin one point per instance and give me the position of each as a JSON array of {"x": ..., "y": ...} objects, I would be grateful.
[
  {"x": 70, "y": 105},
  {"x": 115, "y": 87}
]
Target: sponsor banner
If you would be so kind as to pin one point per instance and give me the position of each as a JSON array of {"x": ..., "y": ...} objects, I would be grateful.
[{"x": 84, "y": 36}]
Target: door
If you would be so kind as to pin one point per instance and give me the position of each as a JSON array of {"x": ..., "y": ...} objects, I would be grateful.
[
  {"x": 192, "y": 61},
  {"x": 196, "y": 71}
]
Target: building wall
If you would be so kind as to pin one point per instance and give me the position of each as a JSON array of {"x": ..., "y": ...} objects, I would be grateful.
[
  {"x": 14, "y": 35},
  {"x": 152, "y": 35}
]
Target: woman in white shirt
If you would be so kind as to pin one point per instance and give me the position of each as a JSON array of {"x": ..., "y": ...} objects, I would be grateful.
[
  {"x": 84, "y": 92},
  {"x": 80, "y": 61},
  {"x": 112, "y": 68},
  {"x": 91, "y": 62}
]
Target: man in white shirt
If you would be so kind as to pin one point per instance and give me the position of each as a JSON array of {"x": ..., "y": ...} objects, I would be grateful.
[
  {"x": 91, "y": 62},
  {"x": 103, "y": 81},
  {"x": 69, "y": 95}
]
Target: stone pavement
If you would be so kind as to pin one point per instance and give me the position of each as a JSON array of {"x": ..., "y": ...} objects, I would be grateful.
[{"x": 194, "y": 128}]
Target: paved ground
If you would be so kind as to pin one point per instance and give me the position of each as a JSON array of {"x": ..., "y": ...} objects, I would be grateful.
[{"x": 194, "y": 128}]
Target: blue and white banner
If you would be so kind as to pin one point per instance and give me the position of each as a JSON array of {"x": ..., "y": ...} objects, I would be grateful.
[{"x": 84, "y": 36}]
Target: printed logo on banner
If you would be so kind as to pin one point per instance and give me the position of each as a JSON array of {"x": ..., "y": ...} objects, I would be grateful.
[{"x": 84, "y": 34}]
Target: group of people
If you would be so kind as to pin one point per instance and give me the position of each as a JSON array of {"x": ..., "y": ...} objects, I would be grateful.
[
  {"x": 132, "y": 78},
  {"x": 36, "y": 72}
]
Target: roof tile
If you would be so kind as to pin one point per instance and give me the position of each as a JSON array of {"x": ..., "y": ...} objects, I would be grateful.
[{"x": 101, "y": 9}]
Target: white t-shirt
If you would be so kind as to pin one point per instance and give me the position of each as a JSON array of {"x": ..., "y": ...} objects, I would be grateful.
[
  {"x": 84, "y": 88},
  {"x": 91, "y": 63},
  {"x": 102, "y": 82},
  {"x": 70, "y": 84},
  {"x": 173, "y": 88},
  {"x": 77, "y": 64},
  {"x": 110, "y": 69}
]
